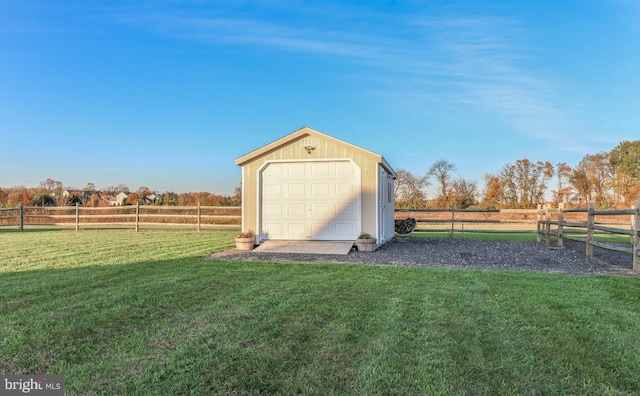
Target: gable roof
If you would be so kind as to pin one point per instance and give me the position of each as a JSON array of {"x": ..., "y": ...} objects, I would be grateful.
[{"x": 309, "y": 132}]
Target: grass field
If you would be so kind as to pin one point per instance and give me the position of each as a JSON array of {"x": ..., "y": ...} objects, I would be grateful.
[{"x": 118, "y": 312}]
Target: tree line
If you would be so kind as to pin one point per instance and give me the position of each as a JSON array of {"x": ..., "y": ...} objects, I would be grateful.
[
  {"x": 609, "y": 179},
  {"x": 51, "y": 192}
]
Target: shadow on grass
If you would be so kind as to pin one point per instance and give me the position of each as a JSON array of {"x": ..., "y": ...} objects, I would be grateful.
[{"x": 205, "y": 326}]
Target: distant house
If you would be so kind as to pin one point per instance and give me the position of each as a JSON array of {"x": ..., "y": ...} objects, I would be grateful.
[
  {"x": 151, "y": 198},
  {"x": 120, "y": 198}
]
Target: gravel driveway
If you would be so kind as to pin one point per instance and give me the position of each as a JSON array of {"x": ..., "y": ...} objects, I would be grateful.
[{"x": 465, "y": 254}]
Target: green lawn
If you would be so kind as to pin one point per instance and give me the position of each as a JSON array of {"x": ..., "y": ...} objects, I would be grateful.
[{"x": 118, "y": 312}]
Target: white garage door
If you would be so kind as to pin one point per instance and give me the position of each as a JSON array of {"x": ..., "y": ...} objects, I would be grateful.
[{"x": 310, "y": 200}]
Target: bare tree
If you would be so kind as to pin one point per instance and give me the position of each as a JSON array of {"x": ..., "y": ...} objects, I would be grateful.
[
  {"x": 409, "y": 190},
  {"x": 463, "y": 193},
  {"x": 442, "y": 170}
]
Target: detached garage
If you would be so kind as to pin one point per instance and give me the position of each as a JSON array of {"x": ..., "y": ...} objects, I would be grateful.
[{"x": 311, "y": 186}]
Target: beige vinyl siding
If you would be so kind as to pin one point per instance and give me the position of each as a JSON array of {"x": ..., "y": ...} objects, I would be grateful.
[{"x": 325, "y": 149}]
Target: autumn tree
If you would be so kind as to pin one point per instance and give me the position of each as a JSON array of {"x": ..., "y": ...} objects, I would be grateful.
[
  {"x": 525, "y": 182},
  {"x": 564, "y": 190},
  {"x": 592, "y": 179},
  {"x": 3, "y": 198},
  {"x": 132, "y": 198},
  {"x": 493, "y": 194},
  {"x": 442, "y": 171},
  {"x": 625, "y": 163},
  {"x": 409, "y": 189}
]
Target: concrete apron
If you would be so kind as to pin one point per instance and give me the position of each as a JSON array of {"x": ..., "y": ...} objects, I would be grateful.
[{"x": 306, "y": 247}]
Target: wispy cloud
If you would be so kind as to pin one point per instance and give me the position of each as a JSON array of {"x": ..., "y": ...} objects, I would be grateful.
[{"x": 454, "y": 58}]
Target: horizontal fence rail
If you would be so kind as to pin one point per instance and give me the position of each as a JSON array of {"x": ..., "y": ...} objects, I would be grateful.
[
  {"x": 577, "y": 224},
  {"x": 555, "y": 217},
  {"x": 130, "y": 215},
  {"x": 471, "y": 220}
]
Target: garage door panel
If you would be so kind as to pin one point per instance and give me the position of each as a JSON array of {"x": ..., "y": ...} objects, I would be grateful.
[
  {"x": 320, "y": 190},
  {"x": 273, "y": 190},
  {"x": 296, "y": 189},
  {"x": 344, "y": 168},
  {"x": 347, "y": 211},
  {"x": 322, "y": 211},
  {"x": 311, "y": 200},
  {"x": 297, "y": 209},
  {"x": 320, "y": 169},
  {"x": 345, "y": 190},
  {"x": 273, "y": 209},
  {"x": 273, "y": 230},
  {"x": 296, "y": 169},
  {"x": 297, "y": 230}
]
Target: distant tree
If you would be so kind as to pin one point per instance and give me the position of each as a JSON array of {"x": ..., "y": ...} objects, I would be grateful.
[
  {"x": 89, "y": 187},
  {"x": 93, "y": 200},
  {"x": 592, "y": 179},
  {"x": 167, "y": 198},
  {"x": 132, "y": 198},
  {"x": 187, "y": 199},
  {"x": 442, "y": 171},
  {"x": 493, "y": 195},
  {"x": 113, "y": 190},
  {"x": 625, "y": 163},
  {"x": 236, "y": 200},
  {"x": 564, "y": 190},
  {"x": 626, "y": 157},
  {"x": 409, "y": 190},
  {"x": 77, "y": 198},
  {"x": 26, "y": 198},
  {"x": 52, "y": 186},
  {"x": 14, "y": 198},
  {"x": 43, "y": 198},
  {"x": 463, "y": 193},
  {"x": 3, "y": 198},
  {"x": 525, "y": 182}
]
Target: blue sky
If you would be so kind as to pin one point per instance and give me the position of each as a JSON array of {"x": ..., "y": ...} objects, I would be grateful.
[{"x": 168, "y": 93}]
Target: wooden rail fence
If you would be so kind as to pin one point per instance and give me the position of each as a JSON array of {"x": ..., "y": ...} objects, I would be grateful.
[
  {"x": 569, "y": 223},
  {"x": 568, "y": 229},
  {"x": 131, "y": 215},
  {"x": 476, "y": 220}
]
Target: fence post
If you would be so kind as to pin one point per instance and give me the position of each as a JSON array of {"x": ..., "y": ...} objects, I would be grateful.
[
  {"x": 137, "y": 216},
  {"x": 21, "y": 217},
  {"x": 590, "y": 220},
  {"x": 538, "y": 225},
  {"x": 77, "y": 216},
  {"x": 199, "y": 228},
  {"x": 547, "y": 225},
  {"x": 636, "y": 238},
  {"x": 560, "y": 227},
  {"x": 453, "y": 210}
]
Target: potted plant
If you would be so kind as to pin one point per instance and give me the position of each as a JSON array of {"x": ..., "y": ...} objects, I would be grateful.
[
  {"x": 245, "y": 240},
  {"x": 366, "y": 243}
]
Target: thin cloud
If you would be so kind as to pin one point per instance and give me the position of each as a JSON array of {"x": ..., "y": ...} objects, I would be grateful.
[{"x": 476, "y": 59}]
